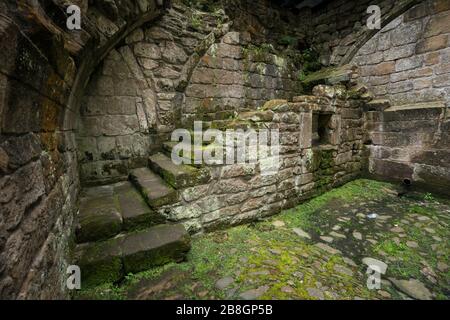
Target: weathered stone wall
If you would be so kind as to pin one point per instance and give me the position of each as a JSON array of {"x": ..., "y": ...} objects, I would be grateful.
[
  {"x": 410, "y": 144},
  {"x": 241, "y": 193},
  {"x": 44, "y": 72},
  {"x": 114, "y": 124},
  {"x": 186, "y": 67},
  {"x": 133, "y": 101},
  {"x": 236, "y": 75},
  {"x": 407, "y": 63},
  {"x": 43, "y": 68},
  {"x": 339, "y": 28}
]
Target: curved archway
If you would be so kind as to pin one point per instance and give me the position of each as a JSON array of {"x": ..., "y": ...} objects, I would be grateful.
[
  {"x": 43, "y": 69},
  {"x": 366, "y": 34}
]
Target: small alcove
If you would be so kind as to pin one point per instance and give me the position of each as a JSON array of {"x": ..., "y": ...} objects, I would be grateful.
[{"x": 321, "y": 132}]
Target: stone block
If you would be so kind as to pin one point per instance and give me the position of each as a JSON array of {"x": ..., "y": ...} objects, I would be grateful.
[
  {"x": 99, "y": 219},
  {"x": 147, "y": 50},
  {"x": 178, "y": 176},
  {"x": 441, "y": 81},
  {"x": 408, "y": 63},
  {"x": 100, "y": 262},
  {"x": 396, "y": 53},
  {"x": 438, "y": 178},
  {"x": 154, "y": 247},
  {"x": 174, "y": 54},
  {"x": 402, "y": 86},
  {"x": 438, "y": 24},
  {"x": 119, "y": 125},
  {"x": 406, "y": 33},
  {"x": 432, "y": 44},
  {"x": 136, "y": 214},
  {"x": 391, "y": 170},
  {"x": 154, "y": 190},
  {"x": 305, "y": 130}
]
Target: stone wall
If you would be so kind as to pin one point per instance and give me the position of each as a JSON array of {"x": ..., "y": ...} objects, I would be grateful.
[
  {"x": 186, "y": 67},
  {"x": 237, "y": 75},
  {"x": 239, "y": 193},
  {"x": 140, "y": 94},
  {"x": 43, "y": 68},
  {"x": 337, "y": 29},
  {"x": 407, "y": 63},
  {"x": 410, "y": 144},
  {"x": 133, "y": 101}
]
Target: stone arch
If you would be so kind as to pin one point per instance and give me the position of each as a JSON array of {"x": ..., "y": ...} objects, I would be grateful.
[
  {"x": 43, "y": 69},
  {"x": 133, "y": 101},
  {"x": 365, "y": 34}
]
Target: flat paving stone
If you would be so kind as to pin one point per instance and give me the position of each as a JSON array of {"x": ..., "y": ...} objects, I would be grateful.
[
  {"x": 357, "y": 235},
  {"x": 315, "y": 293},
  {"x": 327, "y": 239},
  {"x": 413, "y": 288},
  {"x": 254, "y": 293},
  {"x": 278, "y": 224},
  {"x": 412, "y": 244},
  {"x": 224, "y": 283},
  {"x": 327, "y": 248},
  {"x": 301, "y": 233}
]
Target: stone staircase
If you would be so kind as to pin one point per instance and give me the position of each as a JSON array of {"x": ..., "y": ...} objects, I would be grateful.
[
  {"x": 119, "y": 227},
  {"x": 119, "y": 230}
]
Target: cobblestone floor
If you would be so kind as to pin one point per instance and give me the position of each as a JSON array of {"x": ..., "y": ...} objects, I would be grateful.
[{"x": 317, "y": 250}]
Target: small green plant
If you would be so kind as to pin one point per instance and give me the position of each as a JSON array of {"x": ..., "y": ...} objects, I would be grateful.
[
  {"x": 196, "y": 22},
  {"x": 428, "y": 197},
  {"x": 309, "y": 60},
  {"x": 203, "y": 5},
  {"x": 287, "y": 41}
]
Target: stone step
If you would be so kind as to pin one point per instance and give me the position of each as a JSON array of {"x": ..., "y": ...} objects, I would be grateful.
[
  {"x": 155, "y": 191},
  {"x": 187, "y": 156},
  {"x": 111, "y": 260},
  {"x": 99, "y": 216},
  {"x": 178, "y": 176},
  {"x": 136, "y": 213},
  {"x": 108, "y": 210}
]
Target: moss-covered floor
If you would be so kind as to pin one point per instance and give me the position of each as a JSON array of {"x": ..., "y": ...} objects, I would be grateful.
[{"x": 275, "y": 259}]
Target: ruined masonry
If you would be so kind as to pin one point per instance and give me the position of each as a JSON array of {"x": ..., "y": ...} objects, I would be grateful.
[{"x": 86, "y": 118}]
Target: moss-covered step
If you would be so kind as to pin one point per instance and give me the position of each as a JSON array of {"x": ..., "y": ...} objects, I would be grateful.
[
  {"x": 111, "y": 260},
  {"x": 100, "y": 262},
  {"x": 136, "y": 213},
  {"x": 155, "y": 247},
  {"x": 155, "y": 191},
  {"x": 99, "y": 216},
  {"x": 178, "y": 176},
  {"x": 188, "y": 155}
]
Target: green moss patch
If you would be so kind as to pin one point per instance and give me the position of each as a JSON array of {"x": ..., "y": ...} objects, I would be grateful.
[{"x": 268, "y": 260}]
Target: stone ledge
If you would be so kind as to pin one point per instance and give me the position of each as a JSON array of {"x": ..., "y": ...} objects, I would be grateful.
[{"x": 423, "y": 105}]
